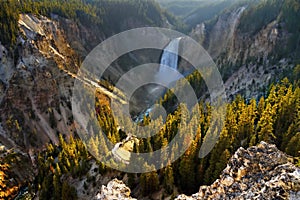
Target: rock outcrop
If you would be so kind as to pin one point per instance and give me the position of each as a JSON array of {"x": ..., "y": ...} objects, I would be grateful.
[
  {"x": 260, "y": 172},
  {"x": 115, "y": 189}
]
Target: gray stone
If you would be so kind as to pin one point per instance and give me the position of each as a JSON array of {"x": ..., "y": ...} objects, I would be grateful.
[{"x": 260, "y": 172}]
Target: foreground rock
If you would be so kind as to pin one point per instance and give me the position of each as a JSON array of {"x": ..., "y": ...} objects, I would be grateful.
[
  {"x": 115, "y": 189},
  {"x": 260, "y": 172}
]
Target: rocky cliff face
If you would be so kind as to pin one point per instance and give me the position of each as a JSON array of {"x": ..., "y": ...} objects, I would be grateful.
[
  {"x": 34, "y": 94},
  {"x": 259, "y": 172},
  {"x": 245, "y": 59},
  {"x": 224, "y": 40},
  {"x": 36, "y": 89},
  {"x": 222, "y": 33}
]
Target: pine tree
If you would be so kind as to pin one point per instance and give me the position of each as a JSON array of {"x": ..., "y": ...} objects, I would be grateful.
[
  {"x": 265, "y": 125},
  {"x": 131, "y": 180},
  {"x": 168, "y": 179},
  {"x": 149, "y": 181},
  {"x": 187, "y": 169},
  {"x": 57, "y": 186},
  {"x": 68, "y": 192},
  {"x": 293, "y": 147},
  {"x": 221, "y": 164},
  {"x": 57, "y": 170},
  {"x": 93, "y": 147}
]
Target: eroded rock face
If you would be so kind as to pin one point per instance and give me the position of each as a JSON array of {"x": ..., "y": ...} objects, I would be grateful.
[
  {"x": 115, "y": 189},
  {"x": 247, "y": 61},
  {"x": 35, "y": 88},
  {"x": 260, "y": 172}
]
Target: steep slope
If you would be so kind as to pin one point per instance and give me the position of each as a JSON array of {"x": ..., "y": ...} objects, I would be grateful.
[
  {"x": 253, "y": 44},
  {"x": 38, "y": 84},
  {"x": 35, "y": 96}
]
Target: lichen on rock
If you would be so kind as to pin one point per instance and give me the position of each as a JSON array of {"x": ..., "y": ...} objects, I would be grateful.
[
  {"x": 115, "y": 189},
  {"x": 259, "y": 172}
]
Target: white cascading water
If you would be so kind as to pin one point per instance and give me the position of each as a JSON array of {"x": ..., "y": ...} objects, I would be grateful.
[{"x": 170, "y": 56}]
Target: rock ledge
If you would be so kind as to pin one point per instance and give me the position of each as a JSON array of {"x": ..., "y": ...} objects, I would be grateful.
[
  {"x": 115, "y": 189},
  {"x": 260, "y": 172}
]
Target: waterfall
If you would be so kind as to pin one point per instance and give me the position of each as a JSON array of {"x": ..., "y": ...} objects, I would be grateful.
[
  {"x": 170, "y": 55},
  {"x": 169, "y": 58}
]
